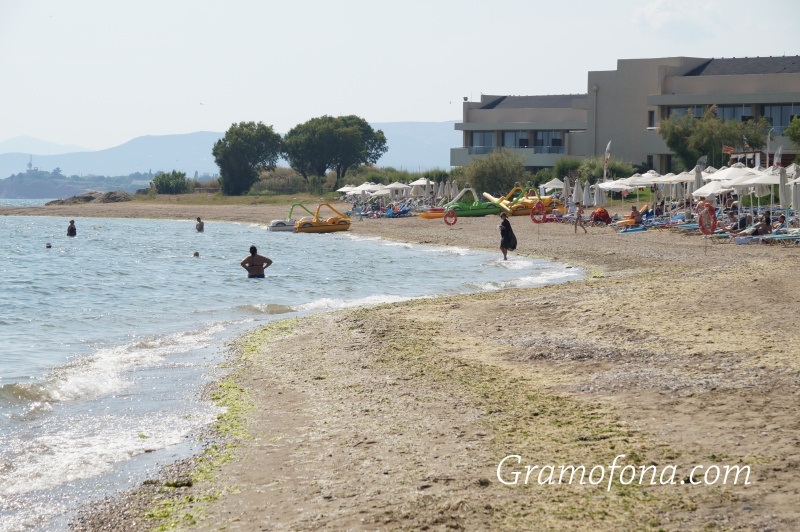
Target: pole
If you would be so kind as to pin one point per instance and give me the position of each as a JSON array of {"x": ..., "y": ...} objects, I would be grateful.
[{"x": 768, "y": 134}]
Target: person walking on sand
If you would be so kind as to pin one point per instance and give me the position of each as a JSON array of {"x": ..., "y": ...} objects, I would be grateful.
[
  {"x": 579, "y": 217},
  {"x": 255, "y": 264},
  {"x": 508, "y": 241},
  {"x": 71, "y": 229},
  {"x": 200, "y": 226}
]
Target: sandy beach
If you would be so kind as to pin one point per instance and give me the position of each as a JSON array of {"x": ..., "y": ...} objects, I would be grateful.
[{"x": 673, "y": 352}]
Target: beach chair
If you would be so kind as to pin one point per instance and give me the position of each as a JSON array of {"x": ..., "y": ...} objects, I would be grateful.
[{"x": 627, "y": 221}]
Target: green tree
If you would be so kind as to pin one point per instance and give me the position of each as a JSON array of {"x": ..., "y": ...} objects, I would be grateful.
[
  {"x": 357, "y": 144},
  {"x": 591, "y": 169},
  {"x": 793, "y": 132},
  {"x": 691, "y": 138},
  {"x": 497, "y": 172},
  {"x": 332, "y": 143},
  {"x": 676, "y": 132},
  {"x": 246, "y": 149},
  {"x": 172, "y": 183},
  {"x": 566, "y": 167},
  {"x": 309, "y": 147}
]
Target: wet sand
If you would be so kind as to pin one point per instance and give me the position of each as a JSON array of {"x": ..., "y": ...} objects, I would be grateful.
[{"x": 672, "y": 351}]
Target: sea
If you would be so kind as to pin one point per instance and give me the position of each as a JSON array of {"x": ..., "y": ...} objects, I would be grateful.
[{"x": 107, "y": 338}]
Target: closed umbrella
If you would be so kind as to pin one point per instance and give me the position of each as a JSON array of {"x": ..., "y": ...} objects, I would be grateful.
[
  {"x": 783, "y": 190},
  {"x": 599, "y": 196},
  {"x": 454, "y": 189},
  {"x": 587, "y": 196},
  {"x": 698, "y": 178},
  {"x": 577, "y": 192},
  {"x": 796, "y": 196}
]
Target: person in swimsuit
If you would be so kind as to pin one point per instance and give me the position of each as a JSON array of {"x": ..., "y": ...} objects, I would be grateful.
[
  {"x": 255, "y": 264},
  {"x": 508, "y": 241},
  {"x": 579, "y": 217},
  {"x": 71, "y": 229},
  {"x": 200, "y": 226}
]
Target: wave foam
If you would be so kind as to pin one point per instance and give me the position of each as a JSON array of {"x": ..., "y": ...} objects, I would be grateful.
[{"x": 336, "y": 304}]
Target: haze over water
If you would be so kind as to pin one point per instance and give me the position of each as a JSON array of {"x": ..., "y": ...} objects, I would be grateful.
[{"x": 107, "y": 338}]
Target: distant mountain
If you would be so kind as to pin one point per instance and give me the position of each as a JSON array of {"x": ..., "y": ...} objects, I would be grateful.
[
  {"x": 413, "y": 146},
  {"x": 34, "y": 146},
  {"x": 186, "y": 153}
]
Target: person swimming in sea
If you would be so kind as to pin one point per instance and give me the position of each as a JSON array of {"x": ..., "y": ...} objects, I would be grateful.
[
  {"x": 255, "y": 264},
  {"x": 71, "y": 229}
]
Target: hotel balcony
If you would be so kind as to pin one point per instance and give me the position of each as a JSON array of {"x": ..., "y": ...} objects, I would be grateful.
[{"x": 534, "y": 156}]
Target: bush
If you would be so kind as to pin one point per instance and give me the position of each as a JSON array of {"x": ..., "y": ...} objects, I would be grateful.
[{"x": 172, "y": 183}]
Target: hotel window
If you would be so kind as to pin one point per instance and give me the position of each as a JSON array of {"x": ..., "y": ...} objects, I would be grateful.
[
  {"x": 651, "y": 119},
  {"x": 483, "y": 139},
  {"x": 697, "y": 112},
  {"x": 741, "y": 113},
  {"x": 780, "y": 116},
  {"x": 548, "y": 142},
  {"x": 515, "y": 139}
]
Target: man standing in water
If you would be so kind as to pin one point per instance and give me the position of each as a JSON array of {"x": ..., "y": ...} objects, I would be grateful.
[
  {"x": 200, "y": 226},
  {"x": 71, "y": 229},
  {"x": 255, "y": 264}
]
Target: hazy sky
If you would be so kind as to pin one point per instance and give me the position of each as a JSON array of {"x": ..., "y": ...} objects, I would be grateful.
[{"x": 99, "y": 73}]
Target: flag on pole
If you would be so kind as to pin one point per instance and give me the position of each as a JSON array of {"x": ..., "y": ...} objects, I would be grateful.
[
  {"x": 746, "y": 145},
  {"x": 608, "y": 154},
  {"x": 776, "y": 160},
  {"x": 727, "y": 150}
]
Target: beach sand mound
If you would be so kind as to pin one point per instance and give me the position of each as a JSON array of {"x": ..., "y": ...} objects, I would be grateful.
[{"x": 114, "y": 196}]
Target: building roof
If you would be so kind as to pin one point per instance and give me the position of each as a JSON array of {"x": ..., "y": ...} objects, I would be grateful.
[
  {"x": 557, "y": 101},
  {"x": 748, "y": 65}
]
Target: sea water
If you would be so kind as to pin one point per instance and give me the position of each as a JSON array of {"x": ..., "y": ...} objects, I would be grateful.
[{"x": 107, "y": 338}]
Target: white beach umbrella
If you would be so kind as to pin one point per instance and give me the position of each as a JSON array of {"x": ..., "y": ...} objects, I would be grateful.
[
  {"x": 553, "y": 184},
  {"x": 567, "y": 188},
  {"x": 346, "y": 189},
  {"x": 698, "y": 178},
  {"x": 587, "y": 196},
  {"x": 416, "y": 190},
  {"x": 792, "y": 171},
  {"x": 711, "y": 189},
  {"x": 599, "y": 196},
  {"x": 728, "y": 173},
  {"x": 421, "y": 182},
  {"x": 796, "y": 196},
  {"x": 577, "y": 192},
  {"x": 783, "y": 190}
]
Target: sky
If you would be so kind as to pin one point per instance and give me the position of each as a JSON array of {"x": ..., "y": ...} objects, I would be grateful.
[{"x": 99, "y": 73}]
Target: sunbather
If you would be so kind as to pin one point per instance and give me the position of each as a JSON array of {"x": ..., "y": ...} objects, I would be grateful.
[
  {"x": 636, "y": 216},
  {"x": 764, "y": 227},
  {"x": 600, "y": 216}
]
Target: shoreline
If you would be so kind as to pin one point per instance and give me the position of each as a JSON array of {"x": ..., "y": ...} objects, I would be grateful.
[{"x": 670, "y": 351}]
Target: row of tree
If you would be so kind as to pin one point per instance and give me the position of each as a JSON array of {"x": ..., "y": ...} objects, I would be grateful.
[
  {"x": 312, "y": 149},
  {"x": 340, "y": 144}
]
